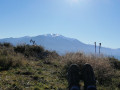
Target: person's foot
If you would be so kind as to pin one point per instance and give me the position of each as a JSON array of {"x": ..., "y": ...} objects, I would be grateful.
[
  {"x": 73, "y": 77},
  {"x": 88, "y": 77}
]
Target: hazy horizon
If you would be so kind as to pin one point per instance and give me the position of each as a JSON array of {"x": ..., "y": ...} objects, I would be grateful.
[{"x": 64, "y": 36}]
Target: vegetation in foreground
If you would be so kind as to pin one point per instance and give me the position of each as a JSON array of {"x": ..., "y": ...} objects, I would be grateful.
[{"x": 26, "y": 67}]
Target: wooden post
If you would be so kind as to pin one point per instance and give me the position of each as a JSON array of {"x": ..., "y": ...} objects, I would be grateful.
[
  {"x": 95, "y": 47},
  {"x": 99, "y": 47}
]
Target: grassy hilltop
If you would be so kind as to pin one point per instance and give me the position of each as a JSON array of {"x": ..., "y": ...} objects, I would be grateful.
[{"x": 26, "y": 67}]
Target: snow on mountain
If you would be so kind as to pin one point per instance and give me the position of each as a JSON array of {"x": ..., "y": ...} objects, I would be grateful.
[{"x": 61, "y": 44}]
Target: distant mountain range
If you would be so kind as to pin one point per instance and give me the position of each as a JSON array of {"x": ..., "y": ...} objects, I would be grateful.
[{"x": 61, "y": 44}]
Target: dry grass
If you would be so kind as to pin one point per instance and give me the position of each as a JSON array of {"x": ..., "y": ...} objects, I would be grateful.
[
  {"x": 10, "y": 59},
  {"x": 33, "y": 68},
  {"x": 101, "y": 65}
]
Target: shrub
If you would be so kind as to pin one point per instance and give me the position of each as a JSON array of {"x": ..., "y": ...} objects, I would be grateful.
[
  {"x": 115, "y": 63},
  {"x": 34, "y": 51},
  {"x": 20, "y": 49},
  {"x": 101, "y": 65},
  {"x": 1, "y": 45},
  {"x": 7, "y": 62},
  {"x": 30, "y": 51},
  {"x": 6, "y": 44}
]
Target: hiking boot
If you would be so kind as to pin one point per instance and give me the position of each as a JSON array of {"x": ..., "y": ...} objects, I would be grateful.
[
  {"x": 88, "y": 77},
  {"x": 73, "y": 77}
]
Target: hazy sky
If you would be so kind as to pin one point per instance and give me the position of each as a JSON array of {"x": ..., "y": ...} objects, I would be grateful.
[{"x": 85, "y": 20}]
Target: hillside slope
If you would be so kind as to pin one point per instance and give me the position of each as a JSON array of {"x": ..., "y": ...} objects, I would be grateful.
[{"x": 23, "y": 68}]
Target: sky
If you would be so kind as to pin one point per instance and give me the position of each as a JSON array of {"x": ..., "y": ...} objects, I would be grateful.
[{"x": 86, "y": 20}]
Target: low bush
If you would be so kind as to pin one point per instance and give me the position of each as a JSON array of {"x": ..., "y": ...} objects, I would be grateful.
[
  {"x": 101, "y": 65},
  {"x": 115, "y": 63},
  {"x": 6, "y": 44},
  {"x": 34, "y": 51},
  {"x": 30, "y": 51},
  {"x": 7, "y": 62}
]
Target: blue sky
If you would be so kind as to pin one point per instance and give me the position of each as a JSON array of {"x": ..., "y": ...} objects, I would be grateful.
[{"x": 85, "y": 20}]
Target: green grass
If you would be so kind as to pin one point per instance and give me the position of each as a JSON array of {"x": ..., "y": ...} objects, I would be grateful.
[
  {"x": 18, "y": 72},
  {"x": 32, "y": 77}
]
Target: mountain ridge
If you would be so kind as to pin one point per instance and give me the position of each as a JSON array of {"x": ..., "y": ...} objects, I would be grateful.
[{"x": 61, "y": 44}]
